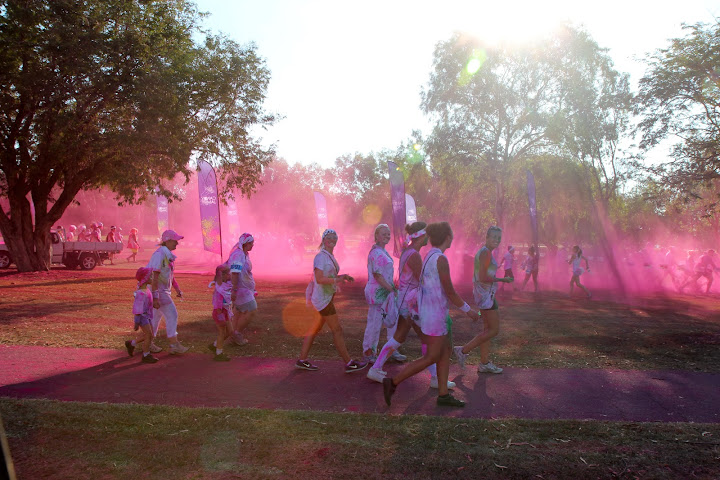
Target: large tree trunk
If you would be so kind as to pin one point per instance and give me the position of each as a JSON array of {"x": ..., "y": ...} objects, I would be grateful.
[{"x": 29, "y": 244}]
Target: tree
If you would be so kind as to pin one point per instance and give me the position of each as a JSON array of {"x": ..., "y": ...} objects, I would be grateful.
[
  {"x": 116, "y": 93},
  {"x": 679, "y": 99}
]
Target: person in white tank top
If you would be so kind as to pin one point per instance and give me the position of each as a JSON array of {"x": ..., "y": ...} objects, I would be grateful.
[
  {"x": 577, "y": 270},
  {"x": 408, "y": 283},
  {"x": 484, "y": 287},
  {"x": 435, "y": 295}
]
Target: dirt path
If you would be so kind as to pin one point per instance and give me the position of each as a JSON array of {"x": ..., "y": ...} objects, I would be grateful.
[{"x": 97, "y": 375}]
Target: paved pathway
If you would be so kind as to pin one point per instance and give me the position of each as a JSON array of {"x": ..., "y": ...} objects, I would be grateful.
[{"x": 98, "y": 375}]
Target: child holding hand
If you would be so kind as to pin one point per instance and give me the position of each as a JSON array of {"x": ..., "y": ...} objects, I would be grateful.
[
  {"x": 222, "y": 305},
  {"x": 143, "y": 314}
]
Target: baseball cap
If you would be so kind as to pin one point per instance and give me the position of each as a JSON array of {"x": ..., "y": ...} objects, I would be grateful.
[{"x": 170, "y": 235}]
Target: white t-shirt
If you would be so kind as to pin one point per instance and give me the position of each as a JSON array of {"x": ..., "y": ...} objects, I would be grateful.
[
  {"x": 240, "y": 263},
  {"x": 379, "y": 261},
  {"x": 163, "y": 261},
  {"x": 322, "y": 295}
]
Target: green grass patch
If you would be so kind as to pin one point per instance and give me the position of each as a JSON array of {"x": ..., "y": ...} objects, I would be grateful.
[
  {"x": 52, "y": 439},
  {"x": 92, "y": 309}
]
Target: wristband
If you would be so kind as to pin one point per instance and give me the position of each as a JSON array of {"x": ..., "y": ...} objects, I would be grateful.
[{"x": 465, "y": 308}]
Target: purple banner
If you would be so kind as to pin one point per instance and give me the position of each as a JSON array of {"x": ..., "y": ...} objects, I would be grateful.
[
  {"x": 533, "y": 206},
  {"x": 209, "y": 208},
  {"x": 321, "y": 207},
  {"x": 410, "y": 211},
  {"x": 163, "y": 218},
  {"x": 397, "y": 197}
]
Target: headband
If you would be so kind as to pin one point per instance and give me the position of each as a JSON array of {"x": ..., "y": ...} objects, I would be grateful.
[
  {"x": 245, "y": 238},
  {"x": 412, "y": 236},
  {"x": 327, "y": 232}
]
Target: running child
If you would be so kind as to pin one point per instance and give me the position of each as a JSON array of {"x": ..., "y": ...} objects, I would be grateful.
[
  {"x": 221, "y": 314},
  {"x": 133, "y": 244},
  {"x": 143, "y": 313},
  {"x": 575, "y": 258}
]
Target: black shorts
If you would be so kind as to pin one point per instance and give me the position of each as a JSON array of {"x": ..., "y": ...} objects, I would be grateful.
[
  {"x": 328, "y": 310},
  {"x": 509, "y": 273}
]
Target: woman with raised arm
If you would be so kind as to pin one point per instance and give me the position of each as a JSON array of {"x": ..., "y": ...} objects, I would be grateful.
[{"x": 436, "y": 293}]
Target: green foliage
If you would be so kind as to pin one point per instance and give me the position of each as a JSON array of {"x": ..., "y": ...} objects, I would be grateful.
[
  {"x": 679, "y": 99},
  {"x": 117, "y": 93}
]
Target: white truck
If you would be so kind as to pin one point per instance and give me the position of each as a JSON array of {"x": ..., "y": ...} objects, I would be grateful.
[{"x": 86, "y": 255}]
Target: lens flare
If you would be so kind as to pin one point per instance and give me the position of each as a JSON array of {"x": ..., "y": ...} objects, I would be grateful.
[
  {"x": 371, "y": 214},
  {"x": 297, "y": 317}
]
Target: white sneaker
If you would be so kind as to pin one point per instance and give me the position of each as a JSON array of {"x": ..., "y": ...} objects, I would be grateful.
[
  {"x": 178, "y": 349},
  {"x": 398, "y": 357},
  {"x": 376, "y": 375},
  {"x": 461, "y": 357},
  {"x": 489, "y": 367},
  {"x": 434, "y": 383},
  {"x": 154, "y": 348}
]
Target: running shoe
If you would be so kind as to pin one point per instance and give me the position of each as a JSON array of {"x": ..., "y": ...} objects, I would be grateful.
[
  {"x": 398, "y": 357},
  {"x": 177, "y": 349},
  {"x": 148, "y": 359},
  {"x": 489, "y": 367},
  {"x": 211, "y": 347},
  {"x": 355, "y": 366},
  {"x": 434, "y": 383},
  {"x": 154, "y": 348},
  {"x": 461, "y": 357},
  {"x": 376, "y": 374},
  {"x": 221, "y": 357},
  {"x": 449, "y": 401},
  {"x": 305, "y": 365},
  {"x": 130, "y": 347},
  {"x": 388, "y": 389}
]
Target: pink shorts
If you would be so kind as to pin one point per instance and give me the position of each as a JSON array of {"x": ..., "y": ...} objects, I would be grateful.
[{"x": 220, "y": 315}]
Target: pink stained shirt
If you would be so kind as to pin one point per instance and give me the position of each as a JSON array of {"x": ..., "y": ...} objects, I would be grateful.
[
  {"x": 379, "y": 261},
  {"x": 143, "y": 302},
  {"x": 221, "y": 295}
]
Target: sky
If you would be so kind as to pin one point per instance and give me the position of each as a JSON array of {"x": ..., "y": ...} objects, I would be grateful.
[{"x": 347, "y": 76}]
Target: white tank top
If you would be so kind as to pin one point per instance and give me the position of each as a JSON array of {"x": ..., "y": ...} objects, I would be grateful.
[
  {"x": 432, "y": 301},
  {"x": 406, "y": 279}
]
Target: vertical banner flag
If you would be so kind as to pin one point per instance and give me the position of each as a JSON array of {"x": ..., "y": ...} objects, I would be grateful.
[
  {"x": 162, "y": 213},
  {"x": 533, "y": 207},
  {"x": 321, "y": 207},
  {"x": 397, "y": 197},
  {"x": 233, "y": 221},
  {"x": 410, "y": 211},
  {"x": 209, "y": 208}
]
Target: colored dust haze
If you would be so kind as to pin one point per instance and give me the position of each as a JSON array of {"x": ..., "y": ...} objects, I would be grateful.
[{"x": 287, "y": 237}]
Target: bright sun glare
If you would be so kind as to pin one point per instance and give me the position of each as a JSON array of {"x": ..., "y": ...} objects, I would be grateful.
[{"x": 515, "y": 22}]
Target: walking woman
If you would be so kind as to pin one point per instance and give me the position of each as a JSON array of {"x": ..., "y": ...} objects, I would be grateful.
[
  {"x": 577, "y": 270},
  {"x": 325, "y": 280},
  {"x": 379, "y": 285},
  {"x": 243, "y": 287},
  {"x": 484, "y": 288},
  {"x": 162, "y": 264},
  {"x": 531, "y": 265},
  {"x": 435, "y": 295},
  {"x": 409, "y": 280}
]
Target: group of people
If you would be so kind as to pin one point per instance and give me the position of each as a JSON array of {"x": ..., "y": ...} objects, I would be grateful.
[
  {"x": 419, "y": 300},
  {"x": 94, "y": 233},
  {"x": 684, "y": 270}
]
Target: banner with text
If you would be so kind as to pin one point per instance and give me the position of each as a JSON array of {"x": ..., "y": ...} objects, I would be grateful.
[
  {"x": 397, "y": 197},
  {"x": 321, "y": 207},
  {"x": 410, "y": 210},
  {"x": 209, "y": 208}
]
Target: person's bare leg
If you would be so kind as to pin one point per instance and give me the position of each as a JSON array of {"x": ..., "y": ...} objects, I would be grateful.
[
  {"x": 436, "y": 346},
  {"x": 337, "y": 331},
  {"x": 310, "y": 336},
  {"x": 491, "y": 322},
  {"x": 443, "y": 368}
]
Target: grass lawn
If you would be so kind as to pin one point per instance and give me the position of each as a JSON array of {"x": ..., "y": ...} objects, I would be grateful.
[
  {"x": 92, "y": 309},
  {"x": 103, "y": 441},
  {"x": 51, "y": 439}
]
